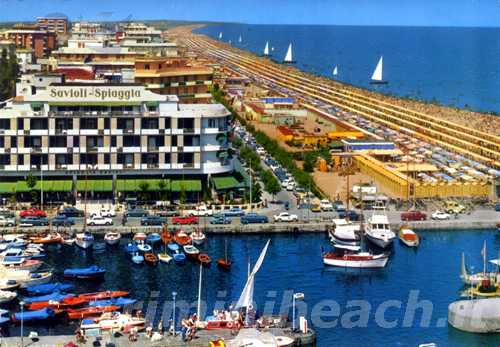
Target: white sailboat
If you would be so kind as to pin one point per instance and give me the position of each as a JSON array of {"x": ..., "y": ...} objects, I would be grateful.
[
  {"x": 377, "y": 76},
  {"x": 335, "y": 71},
  {"x": 288, "y": 57},
  {"x": 220, "y": 35},
  {"x": 240, "y": 39},
  {"x": 266, "y": 49}
]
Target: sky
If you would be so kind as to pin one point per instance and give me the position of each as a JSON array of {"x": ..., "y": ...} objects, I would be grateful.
[{"x": 474, "y": 13}]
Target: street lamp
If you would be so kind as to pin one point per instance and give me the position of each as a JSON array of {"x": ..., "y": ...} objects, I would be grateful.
[
  {"x": 174, "y": 294},
  {"x": 296, "y": 296},
  {"x": 21, "y": 303}
]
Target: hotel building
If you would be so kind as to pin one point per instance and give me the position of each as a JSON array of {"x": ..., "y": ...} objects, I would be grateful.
[
  {"x": 57, "y": 25},
  {"x": 40, "y": 41}
]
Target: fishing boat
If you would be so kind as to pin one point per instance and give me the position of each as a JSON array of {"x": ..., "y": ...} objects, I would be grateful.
[
  {"x": 191, "y": 252},
  {"x": 131, "y": 248},
  {"x": 137, "y": 258},
  {"x": 153, "y": 238},
  {"x": 408, "y": 237},
  {"x": 150, "y": 258},
  {"x": 69, "y": 241},
  {"x": 204, "y": 259},
  {"x": 26, "y": 278},
  {"x": 355, "y": 260},
  {"x": 85, "y": 240},
  {"x": 7, "y": 296},
  {"x": 113, "y": 302},
  {"x": 25, "y": 264},
  {"x": 48, "y": 288},
  {"x": 182, "y": 238},
  {"x": 179, "y": 258},
  {"x": 113, "y": 321},
  {"x": 32, "y": 316},
  {"x": 173, "y": 247},
  {"x": 288, "y": 57},
  {"x": 140, "y": 236},
  {"x": 144, "y": 247},
  {"x": 377, "y": 76},
  {"x": 48, "y": 239},
  {"x": 475, "y": 316},
  {"x": 198, "y": 237},
  {"x": 345, "y": 233},
  {"x": 266, "y": 49},
  {"x": 378, "y": 229},
  {"x": 91, "y": 272},
  {"x": 164, "y": 258},
  {"x": 86, "y": 312},
  {"x": 112, "y": 238},
  {"x": 224, "y": 263},
  {"x": 55, "y": 296}
]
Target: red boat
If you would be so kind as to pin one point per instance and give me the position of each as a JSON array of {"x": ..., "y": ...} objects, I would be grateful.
[
  {"x": 48, "y": 239},
  {"x": 224, "y": 264},
  {"x": 166, "y": 236},
  {"x": 182, "y": 238},
  {"x": 90, "y": 311},
  {"x": 150, "y": 258},
  {"x": 222, "y": 324},
  {"x": 75, "y": 300},
  {"x": 204, "y": 259}
]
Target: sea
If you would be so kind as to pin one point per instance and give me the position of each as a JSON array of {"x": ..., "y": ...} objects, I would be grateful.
[
  {"x": 403, "y": 304},
  {"x": 452, "y": 66}
]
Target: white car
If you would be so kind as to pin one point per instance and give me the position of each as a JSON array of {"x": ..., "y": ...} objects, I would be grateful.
[
  {"x": 286, "y": 217},
  {"x": 287, "y": 182},
  {"x": 200, "y": 211},
  {"x": 326, "y": 205},
  {"x": 438, "y": 215},
  {"x": 107, "y": 212},
  {"x": 290, "y": 187},
  {"x": 7, "y": 221},
  {"x": 99, "y": 220}
]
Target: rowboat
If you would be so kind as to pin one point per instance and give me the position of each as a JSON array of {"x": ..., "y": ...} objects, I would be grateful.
[
  {"x": 7, "y": 296},
  {"x": 224, "y": 263},
  {"x": 356, "y": 260},
  {"x": 48, "y": 239},
  {"x": 408, "y": 237},
  {"x": 182, "y": 238},
  {"x": 204, "y": 259},
  {"x": 139, "y": 236},
  {"x": 150, "y": 258},
  {"x": 137, "y": 258},
  {"x": 144, "y": 247},
  {"x": 76, "y": 300},
  {"x": 91, "y": 272},
  {"x": 113, "y": 302},
  {"x": 173, "y": 247},
  {"x": 179, "y": 258},
  {"x": 25, "y": 264},
  {"x": 55, "y": 296},
  {"x": 34, "y": 278},
  {"x": 112, "y": 238},
  {"x": 90, "y": 311},
  {"x": 164, "y": 258},
  {"x": 131, "y": 248},
  {"x": 191, "y": 252},
  {"x": 153, "y": 238},
  {"x": 113, "y": 321},
  {"x": 198, "y": 237},
  {"x": 32, "y": 316},
  {"x": 48, "y": 288},
  {"x": 69, "y": 241},
  {"x": 85, "y": 240}
]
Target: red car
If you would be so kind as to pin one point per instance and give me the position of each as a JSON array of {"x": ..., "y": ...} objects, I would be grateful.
[
  {"x": 32, "y": 212},
  {"x": 413, "y": 216},
  {"x": 185, "y": 220}
]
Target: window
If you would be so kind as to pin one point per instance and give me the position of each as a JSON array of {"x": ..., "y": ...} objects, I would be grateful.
[
  {"x": 106, "y": 123},
  {"x": 185, "y": 158},
  {"x": 20, "y": 159},
  {"x": 131, "y": 141},
  {"x": 13, "y": 142},
  {"x": 191, "y": 140},
  {"x": 39, "y": 124},
  {"x": 125, "y": 123},
  {"x": 88, "y": 158},
  {"x": 4, "y": 159},
  {"x": 76, "y": 141},
  {"x": 20, "y": 123},
  {"x": 168, "y": 158},
  {"x": 146, "y": 66},
  {"x": 107, "y": 158},
  {"x": 174, "y": 140},
  {"x": 113, "y": 141},
  {"x": 5, "y": 124},
  {"x": 88, "y": 123},
  {"x": 149, "y": 123},
  {"x": 185, "y": 123},
  {"x": 57, "y": 141},
  {"x": 32, "y": 142}
]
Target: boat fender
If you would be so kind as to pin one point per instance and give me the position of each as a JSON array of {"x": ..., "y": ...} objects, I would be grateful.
[{"x": 229, "y": 325}]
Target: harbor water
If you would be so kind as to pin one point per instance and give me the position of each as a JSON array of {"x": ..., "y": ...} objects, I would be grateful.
[
  {"x": 293, "y": 263},
  {"x": 453, "y": 66}
]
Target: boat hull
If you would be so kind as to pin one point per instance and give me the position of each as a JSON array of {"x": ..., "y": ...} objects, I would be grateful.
[
  {"x": 475, "y": 316},
  {"x": 374, "y": 262},
  {"x": 382, "y": 243},
  {"x": 379, "y": 82},
  {"x": 84, "y": 244}
]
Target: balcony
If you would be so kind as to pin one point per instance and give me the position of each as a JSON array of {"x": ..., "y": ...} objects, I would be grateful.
[
  {"x": 153, "y": 165},
  {"x": 36, "y": 150}
]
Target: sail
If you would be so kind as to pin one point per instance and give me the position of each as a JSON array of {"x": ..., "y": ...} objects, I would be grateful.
[
  {"x": 335, "y": 71},
  {"x": 266, "y": 49},
  {"x": 246, "y": 296},
  {"x": 240, "y": 39},
  {"x": 220, "y": 35},
  {"x": 377, "y": 74},
  {"x": 288, "y": 56}
]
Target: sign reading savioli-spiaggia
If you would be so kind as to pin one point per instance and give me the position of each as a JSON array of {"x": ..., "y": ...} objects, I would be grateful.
[{"x": 91, "y": 93}]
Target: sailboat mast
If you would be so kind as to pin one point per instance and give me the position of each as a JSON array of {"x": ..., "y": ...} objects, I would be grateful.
[
  {"x": 225, "y": 250},
  {"x": 198, "y": 309}
]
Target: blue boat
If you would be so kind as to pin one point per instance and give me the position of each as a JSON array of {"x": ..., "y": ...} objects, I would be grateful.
[
  {"x": 91, "y": 272},
  {"x": 179, "y": 258},
  {"x": 47, "y": 288},
  {"x": 173, "y": 247},
  {"x": 55, "y": 296},
  {"x": 112, "y": 302},
  {"x": 30, "y": 316},
  {"x": 4, "y": 316},
  {"x": 144, "y": 247},
  {"x": 153, "y": 238},
  {"x": 137, "y": 258},
  {"x": 131, "y": 248}
]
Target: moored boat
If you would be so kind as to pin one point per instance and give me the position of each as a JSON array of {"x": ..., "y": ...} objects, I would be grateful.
[
  {"x": 224, "y": 263},
  {"x": 86, "y": 312},
  {"x": 91, "y": 272},
  {"x": 143, "y": 247},
  {"x": 204, "y": 259},
  {"x": 113, "y": 321},
  {"x": 48, "y": 239},
  {"x": 150, "y": 258},
  {"x": 85, "y": 240},
  {"x": 112, "y": 238},
  {"x": 131, "y": 248},
  {"x": 140, "y": 236},
  {"x": 198, "y": 237},
  {"x": 179, "y": 258},
  {"x": 191, "y": 252},
  {"x": 77, "y": 300},
  {"x": 378, "y": 229},
  {"x": 48, "y": 288},
  {"x": 26, "y": 264},
  {"x": 153, "y": 238},
  {"x": 32, "y": 316},
  {"x": 408, "y": 237},
  {"x": 182, "y": 238},
  {"x": 345, "y": 233},
  {"x": 55, "y": 296},
  {"x": 119, "y": 301},
  {"x": 7, "y": 296},
  {"x": 356, "y": 260},
  {"x": 164, "y": 258},
  {"x": 137, "y": 258}
]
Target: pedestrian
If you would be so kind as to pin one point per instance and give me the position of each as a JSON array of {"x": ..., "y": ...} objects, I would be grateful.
[
  {"x": 149, "y": 331},
  {"x": 160, "y": 326}
]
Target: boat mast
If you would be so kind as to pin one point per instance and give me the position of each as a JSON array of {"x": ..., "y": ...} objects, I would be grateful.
[
  {"x": 198, "y": 310},
  {"x": 225, "y": 250}
]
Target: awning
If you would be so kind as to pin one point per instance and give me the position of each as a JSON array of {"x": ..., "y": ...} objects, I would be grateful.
[
  {"x": 22, "y": 186},
  {"x": 94, "y": 185},
  {"x": 94, "y": 103},
  {"x": 186, "y": 185},
  {"x": 36, "y": 104},
  {"x": 225, "y": 182},
  {"x": 59, "y": 186},
  {"x": 7, "y": 187},
  {"x": 126, "y": 185},
  {"x": 152, "y": 103}
]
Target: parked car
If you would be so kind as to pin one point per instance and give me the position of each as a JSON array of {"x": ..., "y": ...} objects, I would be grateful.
[
  {"x": 497, "y": 207},
  {"x": 326, "y": 205},
  {"x": 7, "y": 213},
  {"x": 184, "y": 220},
  {"x": 99, "y": 220},
  {"x": 351, "y": 215},
  {"x": 413, "y": 215},
  {"x": 31, "y": 221},
  {"x": 170, "y": 212},
  {"x": 233, "y": 212},
  {"x": 6, "y": 221},
  {"x": 439, "y": 215},
  {"x": 136, "y": 212},
  {"x": 107, "y": 212},
  {"x": 220, "y": 219},
  {"x": 338, "y": 205},
  {"x": 71, "y": 211},
  {"x": 453, "y": 207},
  {"x": 315, "y": 208},
  {"x": 200, "y": 211},
  {"x": 32, "y": 212},
  {"x": 250, "y": 218},
  {"x": 153, "y": 220},
  {"x": 62, "y": 221},
  {"x": 285, "y": 217}
]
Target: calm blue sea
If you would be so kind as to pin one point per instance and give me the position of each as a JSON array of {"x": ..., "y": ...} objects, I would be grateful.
[
  {"x": 294, "y": 263},
  {"x": 454, "y": 66}
]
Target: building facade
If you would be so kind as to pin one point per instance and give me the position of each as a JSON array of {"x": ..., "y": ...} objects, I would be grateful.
[
  {"x": 57, "y": 25},
  {"x": 69, "y": 129},
  {"x": 40, "y": 41}
]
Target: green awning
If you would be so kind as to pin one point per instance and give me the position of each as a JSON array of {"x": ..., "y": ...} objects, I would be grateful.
[
  {"x": 94, "y": 185},
  {"x": 36, "y": 104},
  {"x": 7, "y": 187},
  {"x": 126, "y": 185},
  {"x": 225, "y": 182},
  {"x": 94, "y": 103},
  {"x": 187, "y": 185},
  {"x": 60, "y": 186},
  {"x": 152, "y": 103},
  {"x": 153, "y": 184}
]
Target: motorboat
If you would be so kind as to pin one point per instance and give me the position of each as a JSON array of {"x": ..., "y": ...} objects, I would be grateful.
[
  {"x": 179, "y": 258},
  {"x": 164, "y": 258},
  {"x": 7, "y": 296},
  {"x": 150, "y": 258},
  {"x": 198, "y": 237},
  {"x": 77, "y": 300},
  {"x": 9, "y": 284},
  {"x": 55, "y": 296},
  {"x": 50, "y": 238},
  {"x": 378, "y": 230},
  {"x": 137, "y": 258},
  {"x": 144, "y": 247},
  {"x": 48, "y": 288},
  {"x": 131, "y": 248},
  {"x": 85, "y": 312},
  {"x": 69, "y": 241},
  {"x": 356, "y": 260},
  {"x": 173, "y": 247},
  {"x": 10, "y": 279},
  {"x": 113, "y": 321},
  {"x": 345, "y": 233},
  {"x": 153, "y": 238},
  {"x": 408, "y": 237},
  {"x": 112, "y": 238},
  {"x": 191, "y": 252},
  {"x": 25, "y": 264},
  {"x": 204, "y": 259},
  {"x": 32, "y": 316},
  {"x": 85, "y": 240},
  {"x": 34, "y": 278},
  {"x": 140, "y": 236},
  {"x": 91, "y": 272},
  {"x": 182, "y": 238}
]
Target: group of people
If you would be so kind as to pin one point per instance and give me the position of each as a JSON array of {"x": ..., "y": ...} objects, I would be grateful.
[{"x": 188, "y": 327}]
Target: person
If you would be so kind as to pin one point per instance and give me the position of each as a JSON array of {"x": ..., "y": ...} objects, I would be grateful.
[
  {"x": 149, "y": 331},
  {"x": 184, "y": 328},
  {"x": 160, "y": 326}
]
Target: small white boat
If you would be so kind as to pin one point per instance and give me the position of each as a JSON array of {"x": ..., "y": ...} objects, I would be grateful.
[
  {"x": 27, "y": 264},
  {"x": 191, "y": 251},
  {"x": 335, "y": 71},
  {"x": 7, "y": 296},
  {"x": 198, "y": 237},
  {"x": 112, "y": 238},
  {"x": 266, "y": 49},
  {"x": 408, "y": 237},
  {"x": 85, "y": 240},
  {"x": 139, "y": 236},
  {"x": 377, "y": 76},
  {"x": 378, "y": 229},
  {"x": 289, "y": 57},
  {"x": 137, "y": 258},
  {"x": 113, "y": 321},
  {"x": 143, "y": 247},
  {"x": 164, "y": 258},
  {"x": 69, "y": 241},
  {"x": 356, "y": 260},
  {"x": 345, "y": 233}
]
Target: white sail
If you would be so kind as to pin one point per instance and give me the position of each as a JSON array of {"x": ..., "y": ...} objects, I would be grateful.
[
  {"x": 377, "y": 74},
  {"x": 335, "y": 71},
  {"x": 272, "y": 49},
  {"x": 246, "y": 297},
  {"x": 240, "y": 39},
  {"x": 266, "y": 49},
  {"x": 220, "y": 35},
  {"x": 288, "y": 56}
]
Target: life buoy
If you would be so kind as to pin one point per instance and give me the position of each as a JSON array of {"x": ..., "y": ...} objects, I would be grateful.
[{"x": 229, "y": 325}]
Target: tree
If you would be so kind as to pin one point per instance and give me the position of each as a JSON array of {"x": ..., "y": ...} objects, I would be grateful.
[
  {"x": 182, "y": 194},
  {"x": 271, "y": 184},
  {"x": 143, "y": 188},
  {"x": 162, "y": 185},
  {"x": 31, "y": 182}
]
